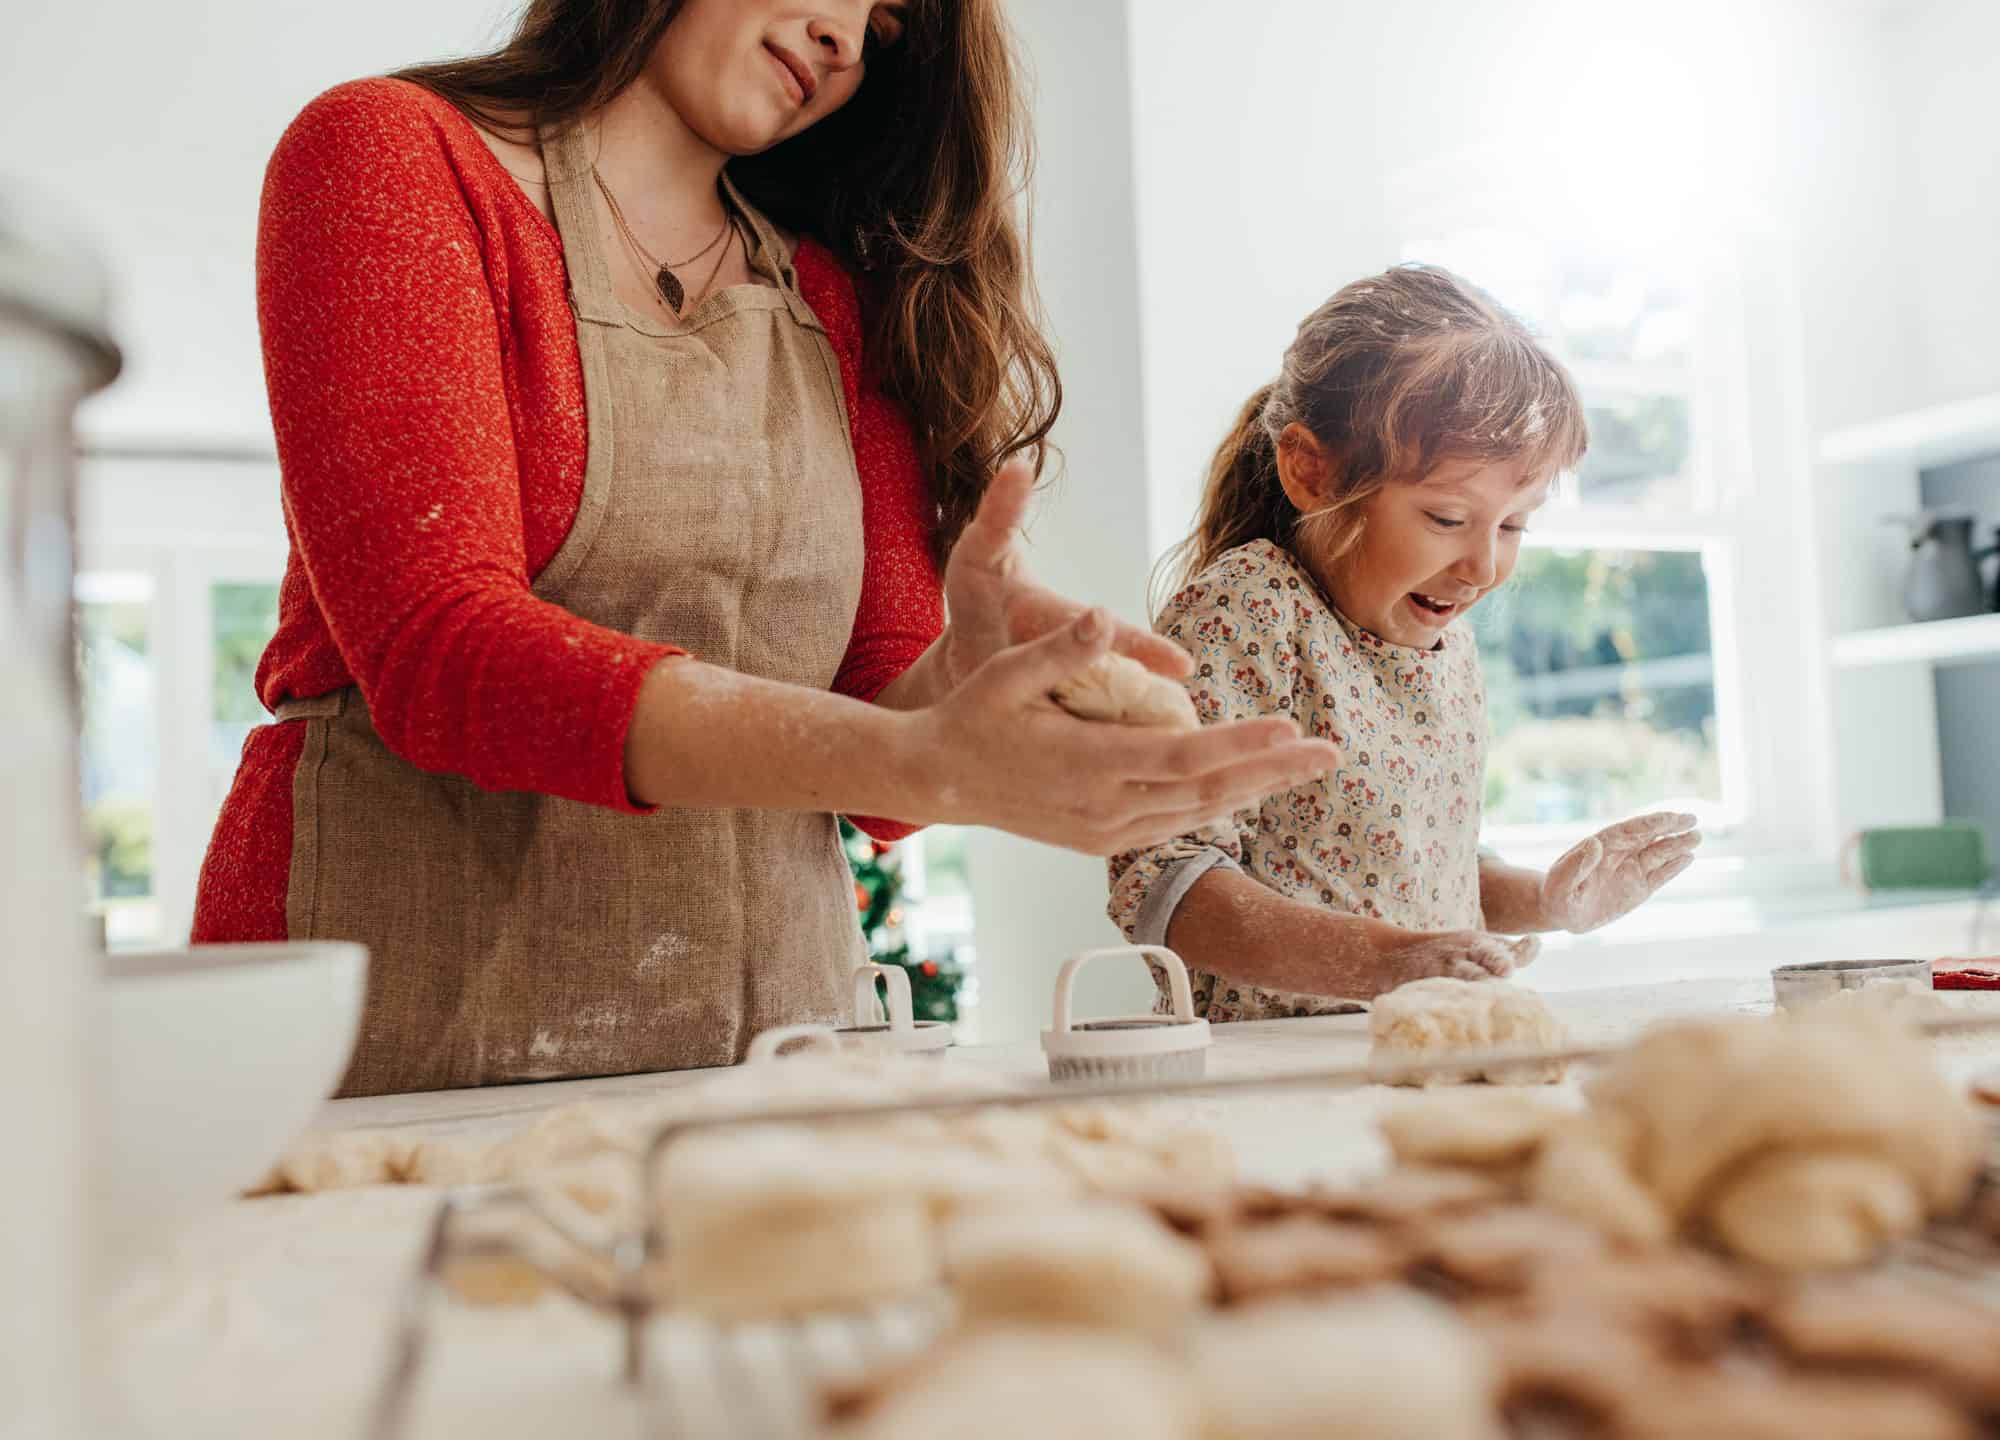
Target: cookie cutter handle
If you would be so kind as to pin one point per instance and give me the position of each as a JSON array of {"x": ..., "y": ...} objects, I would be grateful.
[
  {"x": 770, "y": 1042},
  {"x": 868, "y": 1008},
  {"x": 1177, "y": 981}
]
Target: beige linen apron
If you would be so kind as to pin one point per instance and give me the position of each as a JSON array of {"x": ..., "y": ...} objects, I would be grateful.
[{"x": 518, "y": 936}]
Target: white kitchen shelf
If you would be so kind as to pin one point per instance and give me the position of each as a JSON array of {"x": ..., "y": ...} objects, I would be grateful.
[
  {"x": 1920, "y": 439},
  {"x": 1945, "y": 641}
]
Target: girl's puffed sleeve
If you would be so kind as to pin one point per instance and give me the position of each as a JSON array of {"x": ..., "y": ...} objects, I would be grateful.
[{"x": 1240, "y": 654}]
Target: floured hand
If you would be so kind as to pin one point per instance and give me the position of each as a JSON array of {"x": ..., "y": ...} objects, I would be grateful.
[
  {"x": 993, "y": 602},
  {"x": 1616, "y": 870},
  {"x": 1455, "y": 954}
]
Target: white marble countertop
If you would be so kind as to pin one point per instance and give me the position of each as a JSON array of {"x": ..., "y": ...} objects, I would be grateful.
[{"x": 273, "y": 1316}]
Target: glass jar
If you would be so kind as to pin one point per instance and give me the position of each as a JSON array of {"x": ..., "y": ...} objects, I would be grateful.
[{"x": 54, "y": 351}]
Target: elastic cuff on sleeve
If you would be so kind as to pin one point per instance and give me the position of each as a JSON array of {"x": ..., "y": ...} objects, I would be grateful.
[{"x": 1164, "y": 896}]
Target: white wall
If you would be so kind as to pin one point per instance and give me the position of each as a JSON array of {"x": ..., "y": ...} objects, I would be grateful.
[
  {"x": 1945, "y": 58},
  {"x": 153, "y": 123},
  {"x": 1032, "y": 904}
]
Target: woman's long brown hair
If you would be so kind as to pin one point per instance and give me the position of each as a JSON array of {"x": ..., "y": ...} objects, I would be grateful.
[
  {"x": 1393, "y": 375},
  {"x": 913, "y": 183}
]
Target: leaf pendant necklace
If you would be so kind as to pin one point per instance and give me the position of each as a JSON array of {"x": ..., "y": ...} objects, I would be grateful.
[{"x": 664, "y": 280}]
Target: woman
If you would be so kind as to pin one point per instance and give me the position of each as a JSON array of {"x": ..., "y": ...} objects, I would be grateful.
[{"x": 617, "y": 514}]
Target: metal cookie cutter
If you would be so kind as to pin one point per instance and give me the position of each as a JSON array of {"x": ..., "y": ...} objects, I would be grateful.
[
  {"x": 896, "y": 1033},
  {"x": 1128, "y": 1048},
  {"x": 1794, "y": 987}
]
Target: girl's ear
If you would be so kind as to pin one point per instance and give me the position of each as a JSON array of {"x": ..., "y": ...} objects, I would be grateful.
[{"x": 1305, "y": 469}]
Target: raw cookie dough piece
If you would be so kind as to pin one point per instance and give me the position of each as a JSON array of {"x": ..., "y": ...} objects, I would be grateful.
[
  {"x": 1503, "y": 1249},
  {"x": 1815, "y": 1210},
  {"x": 1584, "y": 1170},
  {"x": 1298, "y": 1255},
  {"x": 1392, "y": 1365},
  {"x": 1709, "y": 1096},
  {"x": 338, "y": 1160},
  {"x": 1099, "y": 1264},
  {"x": 1688, "y": 1302},
  {"x": 1900, "y": 1331},
  {"x": 1497, "y": 1130},
  {"x": 775, "y": 1220},
  {"x": 1442, "y": 1017},
  {"x": 1411, "y": 1193},
  {"x": 1050, "y": 1382},
  {"x": 1745, "y": 1404},
  {"x": 1568, "y": 1365},
  {"x": 1119, "y": 689}
]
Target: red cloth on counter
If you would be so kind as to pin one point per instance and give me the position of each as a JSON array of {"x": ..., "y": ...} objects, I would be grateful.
[
  {"x": 427, "y": 398},
  {"x": 1966, "y": 975}
]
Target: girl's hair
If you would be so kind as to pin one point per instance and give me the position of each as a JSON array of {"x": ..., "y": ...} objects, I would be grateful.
[
  {"x": 1394, "y": 375},
  {"x": 912, "y": 183}
]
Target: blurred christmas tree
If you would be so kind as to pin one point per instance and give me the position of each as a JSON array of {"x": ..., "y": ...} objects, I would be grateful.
[{"x": 878, "y": 897}]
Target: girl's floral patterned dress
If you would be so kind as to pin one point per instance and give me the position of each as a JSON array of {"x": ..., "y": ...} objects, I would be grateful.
[{"x": 1393, "y": 834}]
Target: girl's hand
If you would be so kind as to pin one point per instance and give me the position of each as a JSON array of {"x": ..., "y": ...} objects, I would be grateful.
[
  {"x": 997, "y": 751},
  {"x": 992, "y": 602},
  {"x": 1455, "y": 954},
  {"x": 1615, "y": 870}
]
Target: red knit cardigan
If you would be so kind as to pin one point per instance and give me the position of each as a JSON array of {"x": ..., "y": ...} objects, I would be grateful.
[{"x": 427, "y": 397}]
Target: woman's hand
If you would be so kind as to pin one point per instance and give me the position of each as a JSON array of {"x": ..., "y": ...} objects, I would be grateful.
[
  {"x": 1616, "y": 870},
  {"x": 997, "y": 751},
  {"x": 992, "y": 603},
  {"x": 1455, "y": 954}
]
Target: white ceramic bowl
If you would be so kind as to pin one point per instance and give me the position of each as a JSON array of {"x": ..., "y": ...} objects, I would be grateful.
[{"x": 207, "y": 1062}]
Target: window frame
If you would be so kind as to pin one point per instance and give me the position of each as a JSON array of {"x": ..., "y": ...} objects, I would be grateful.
[{"x": 1743, "y": 460}]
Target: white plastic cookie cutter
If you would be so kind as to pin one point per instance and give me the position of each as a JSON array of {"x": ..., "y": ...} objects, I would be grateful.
[
  {"x": 1128, "y": 1047},
  {"x": 896, "y": 1033}
]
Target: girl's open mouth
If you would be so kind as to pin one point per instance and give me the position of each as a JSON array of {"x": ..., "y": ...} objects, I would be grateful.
[{"x": 1438, "y": 609}]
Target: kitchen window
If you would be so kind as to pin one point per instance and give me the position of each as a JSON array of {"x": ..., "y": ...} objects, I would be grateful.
[
  {"x": 1611, "y": 658},
  {"x": 176, "y": 597}
]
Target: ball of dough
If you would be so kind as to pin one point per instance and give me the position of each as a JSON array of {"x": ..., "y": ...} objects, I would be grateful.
[
  {"x": 1102, "y": 1264},
  {"x": 1392, "y": 1365},
  {"x": 1442, "y": 1016},
  {"x": 1816, "y": 1210},
  {"x": 1119, "y": 689}
]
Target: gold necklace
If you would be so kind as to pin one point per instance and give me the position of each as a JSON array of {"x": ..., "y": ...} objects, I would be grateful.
[{"x": 664, "y": 280}]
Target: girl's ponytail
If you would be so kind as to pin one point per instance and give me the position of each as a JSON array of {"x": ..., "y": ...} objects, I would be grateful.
[{"x": 1241, "y": 501}]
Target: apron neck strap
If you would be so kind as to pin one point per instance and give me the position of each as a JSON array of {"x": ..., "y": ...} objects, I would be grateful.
[
  {"x": 768, "y": 255},
  {"x": 566, "y": 164}
]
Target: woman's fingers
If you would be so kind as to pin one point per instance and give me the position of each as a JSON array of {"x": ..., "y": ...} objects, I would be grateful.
[
  {"x": 989, "y": 539},
  {"x": 1155, "y": 652},
  {"x": 1178, "y": 807},
  {"x": 1025, "y": 673},
  {"x": 1168, "y": 756},
  {"x": 1034, "y": 611},
  {"x": 1266, "y": 770}
]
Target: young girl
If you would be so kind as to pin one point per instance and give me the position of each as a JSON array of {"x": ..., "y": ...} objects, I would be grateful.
[{"x": 1363, "y": 503}]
